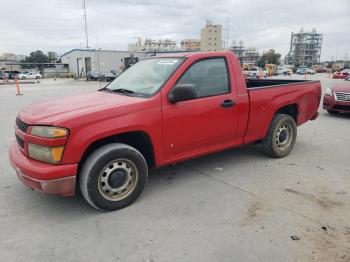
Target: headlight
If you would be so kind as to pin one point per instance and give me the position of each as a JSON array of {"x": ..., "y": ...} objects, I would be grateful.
[
  {"x": 52, "y": 155},
  {"x": 49, "y": 131},
  {"x": 329, "y": 92}
]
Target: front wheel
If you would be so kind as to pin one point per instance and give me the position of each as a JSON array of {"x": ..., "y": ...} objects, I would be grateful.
[
  {"x": 113, "y": 176},
  {"x": 281, "y": 136}
]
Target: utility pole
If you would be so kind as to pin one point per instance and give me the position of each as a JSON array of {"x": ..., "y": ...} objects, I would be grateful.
[{"x": 85, "y": 27}]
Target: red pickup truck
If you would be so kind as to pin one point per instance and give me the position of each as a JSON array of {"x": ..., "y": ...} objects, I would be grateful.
[{"x": 162, "y": 110}]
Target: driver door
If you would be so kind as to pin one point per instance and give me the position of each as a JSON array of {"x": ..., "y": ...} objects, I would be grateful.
[{"x": 204, "y": 123}]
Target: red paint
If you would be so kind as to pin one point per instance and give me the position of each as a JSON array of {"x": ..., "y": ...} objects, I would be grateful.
[
  {"x": 177, "y": 131},
  {"x": 340, "y": 75},
  {"x": 332, "y": 104}
]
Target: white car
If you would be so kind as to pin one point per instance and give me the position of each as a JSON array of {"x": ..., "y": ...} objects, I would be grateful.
[
  {"x": 29, "y": 76},
  {"x": 256, "y": 72},
  {"x": 284, "y": 71}
]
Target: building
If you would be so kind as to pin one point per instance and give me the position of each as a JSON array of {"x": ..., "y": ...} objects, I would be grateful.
[
  {"x": 211, "y": 37},
  {"x": 191, "y": 45},
  {"x": 247, "y": 56},
  {"x": 305, "y": 48},
  {"x": 150, "y": 45},
  {"x": 81, "y": 61},
  {"x": 9, "y": 65},
  {"x": 12, "y": 57},
  {"x": 238, "y": 49}
]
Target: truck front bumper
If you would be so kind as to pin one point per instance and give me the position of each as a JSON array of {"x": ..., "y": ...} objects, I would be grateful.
[{"x": 47, "y": 178}]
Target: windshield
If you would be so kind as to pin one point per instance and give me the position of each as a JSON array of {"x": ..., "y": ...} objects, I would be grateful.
[{"x": 147, "y": 76}]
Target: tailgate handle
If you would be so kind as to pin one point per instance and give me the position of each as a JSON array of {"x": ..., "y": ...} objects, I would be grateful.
[{"x": 228, "y": 103}]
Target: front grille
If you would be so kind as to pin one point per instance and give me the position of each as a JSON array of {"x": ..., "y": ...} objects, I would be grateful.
[
  {"x": 21, "y": 125},
  {"x": 340, "y": 96},
  {"x": 20, "y": 141},
  {"x": 341, "y": 107}
]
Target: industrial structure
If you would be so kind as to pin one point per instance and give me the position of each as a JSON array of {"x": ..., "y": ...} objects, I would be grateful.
[
  {"x": 247, "y": 56},
  {"x": 305, "y": 48},
  {"x": 150, "y": 45},
  {"x": 211, "y": 37},
  {"x": 191, "y": 44}
]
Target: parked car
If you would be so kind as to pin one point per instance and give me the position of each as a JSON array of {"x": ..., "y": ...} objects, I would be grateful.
[
  {"x": 27, "y": 75},
  {"x": 4, "y": 75},
  {"x": 107, "y": 77},
  {"x": 337, "y": 99},
  {"x": 305, "y": 70},
  {"x": 256, "y": 72},
  {"x": 347, "y": 78},
  {"x": 284, "y": 71},
  {"x": 185, "y": 106},
  {"x": 12, "y": 74},
  {"x": 321, "y": 70},
  {"x": 342, "y": 74},
  {"x": 94, "y": 76}
]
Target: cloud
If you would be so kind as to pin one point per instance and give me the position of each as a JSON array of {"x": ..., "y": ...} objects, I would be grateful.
[{"x": 58, "y": 24}]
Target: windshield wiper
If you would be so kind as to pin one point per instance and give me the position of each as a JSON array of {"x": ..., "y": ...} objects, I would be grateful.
[{"x": 122, "y": 90}]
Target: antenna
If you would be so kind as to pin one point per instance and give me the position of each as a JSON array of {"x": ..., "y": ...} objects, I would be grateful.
[{"x": 85, "y": 26}]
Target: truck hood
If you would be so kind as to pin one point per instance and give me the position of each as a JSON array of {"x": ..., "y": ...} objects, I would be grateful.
[
  {"x": 46, "y": 113},
  {"x": 341, "y": 88}
]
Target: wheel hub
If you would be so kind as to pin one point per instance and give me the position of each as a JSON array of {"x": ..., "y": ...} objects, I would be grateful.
[
  {"x": 283, "y": 137},
  {"x": 117, "y": 178}
]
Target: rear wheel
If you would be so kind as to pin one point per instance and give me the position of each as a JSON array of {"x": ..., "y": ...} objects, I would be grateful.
[
  {"x": 113, "y": 176},
  {"x": 281, "y": 136}
]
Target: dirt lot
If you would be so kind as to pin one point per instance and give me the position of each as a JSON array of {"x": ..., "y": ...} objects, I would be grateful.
[{"x": 237, "y": 205}]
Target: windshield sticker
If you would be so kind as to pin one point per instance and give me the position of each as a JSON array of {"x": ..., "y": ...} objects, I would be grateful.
[{"x": 167, "y": 61}]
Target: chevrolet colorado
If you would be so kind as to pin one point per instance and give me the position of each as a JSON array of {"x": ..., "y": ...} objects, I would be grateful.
[{"x": 162, "y": 110}]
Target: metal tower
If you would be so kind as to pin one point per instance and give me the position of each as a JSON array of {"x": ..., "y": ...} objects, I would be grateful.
[{"x": 305, "y": 48}]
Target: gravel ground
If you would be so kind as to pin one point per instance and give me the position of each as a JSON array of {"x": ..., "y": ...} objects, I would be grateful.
[{"x": 237, "y": 205}]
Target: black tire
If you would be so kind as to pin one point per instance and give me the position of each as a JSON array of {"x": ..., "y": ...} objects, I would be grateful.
[
  {"x": 102, "y": 159},
  {"x": 332, "y": 112},
  {"x": 281, "y": 136}
]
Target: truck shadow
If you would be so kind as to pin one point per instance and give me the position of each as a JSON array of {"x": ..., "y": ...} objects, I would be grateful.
[
  {"x": 170, "y": 177},
  {"x": 159, "y": 180}
]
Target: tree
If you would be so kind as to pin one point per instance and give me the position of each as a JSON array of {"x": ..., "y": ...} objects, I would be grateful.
[
  {"x": 37, "y": 57},
  {"x": 270, "y": 57},
  {"x": 53, "y": 57}
]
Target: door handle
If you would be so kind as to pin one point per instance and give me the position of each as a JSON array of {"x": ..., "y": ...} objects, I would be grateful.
[{"x": 228, "y": 103}]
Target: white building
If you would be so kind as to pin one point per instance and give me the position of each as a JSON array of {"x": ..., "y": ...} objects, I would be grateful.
[
  {"x": 211, "y": 39},
  {"x": 81, "y": 61}
]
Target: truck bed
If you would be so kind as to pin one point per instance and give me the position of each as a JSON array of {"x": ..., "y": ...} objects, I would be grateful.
[
  {"x": 268, "y": 95},
  {"x": 263, "y": 83}
]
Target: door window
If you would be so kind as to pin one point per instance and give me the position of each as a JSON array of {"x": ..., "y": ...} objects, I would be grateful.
[{"x": 209, "y": 77}]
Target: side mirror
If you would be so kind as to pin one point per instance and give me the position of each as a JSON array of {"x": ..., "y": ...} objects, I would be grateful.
[{"x": 182, "y": 92}]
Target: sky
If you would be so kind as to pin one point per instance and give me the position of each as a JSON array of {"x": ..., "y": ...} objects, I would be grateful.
[{"x": 58, "y": 25}]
